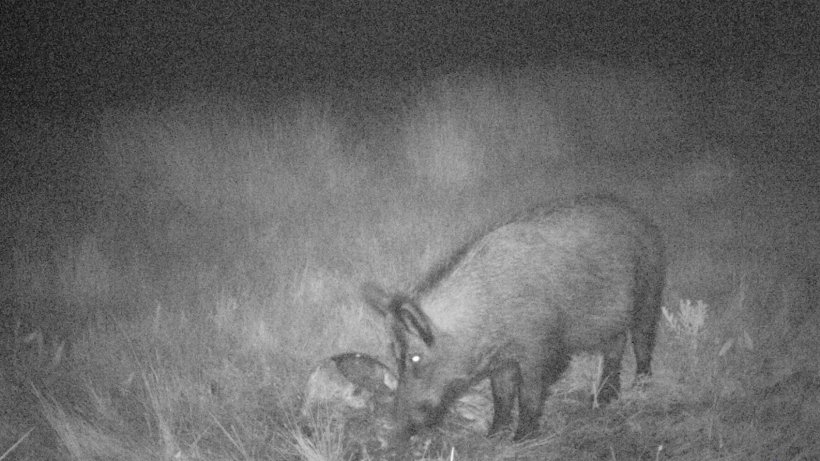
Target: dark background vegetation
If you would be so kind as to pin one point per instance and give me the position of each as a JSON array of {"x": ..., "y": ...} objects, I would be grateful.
[{"x": 743, "y": 75}]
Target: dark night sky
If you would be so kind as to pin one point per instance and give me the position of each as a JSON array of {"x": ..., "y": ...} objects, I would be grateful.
[{"x": 102, "y": 51}]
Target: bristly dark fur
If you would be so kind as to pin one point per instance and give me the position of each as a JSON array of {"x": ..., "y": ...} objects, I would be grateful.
[{"x": 444, "y": 267}]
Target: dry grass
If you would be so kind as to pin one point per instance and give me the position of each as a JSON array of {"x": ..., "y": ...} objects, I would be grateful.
[{"x": 228, "y": 265}]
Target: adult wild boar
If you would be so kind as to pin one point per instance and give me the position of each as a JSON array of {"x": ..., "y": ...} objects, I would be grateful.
[{"x": 514, "y": 304}]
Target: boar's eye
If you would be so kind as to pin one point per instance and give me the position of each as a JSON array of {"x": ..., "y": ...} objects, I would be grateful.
[{"x": 414, "y": 362}]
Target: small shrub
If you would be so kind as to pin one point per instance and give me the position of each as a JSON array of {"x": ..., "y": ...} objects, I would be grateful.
[{"x": 689, "y": 321}]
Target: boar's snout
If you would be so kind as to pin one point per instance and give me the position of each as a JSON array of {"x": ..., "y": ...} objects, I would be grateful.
[{"x": 420, "y": 415}]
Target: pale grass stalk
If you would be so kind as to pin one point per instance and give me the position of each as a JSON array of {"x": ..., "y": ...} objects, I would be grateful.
[
  {"x": 36, "y": 337},
  {"x": 233, "y": 437},
  {"x": 157, "y": 318},
  {"x": 159, "y": 401},
  {"x": 58, "y": 355},
  {"x": 328, "y": 447},
  {"x": 80, "y": 438},
  {"x": 14, "y": 445}
]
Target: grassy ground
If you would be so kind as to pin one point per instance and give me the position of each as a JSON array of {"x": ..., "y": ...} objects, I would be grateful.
[{"x": 226, "y": 241}]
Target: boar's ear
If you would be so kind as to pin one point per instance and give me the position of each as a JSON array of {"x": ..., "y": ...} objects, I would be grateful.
[
  {"x": 378, "y": 299},
  {"x": 414, "y": 319},
  {"x": 403, "y": 314}
]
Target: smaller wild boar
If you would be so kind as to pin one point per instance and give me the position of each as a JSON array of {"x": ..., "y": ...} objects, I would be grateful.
[
  {"x": 514, "y": 304},
  {"x": 347, "y": 383},
  {"x": 354, "y": 391}
]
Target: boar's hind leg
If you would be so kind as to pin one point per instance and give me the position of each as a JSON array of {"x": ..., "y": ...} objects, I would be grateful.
[
  {"x": 609, "y": 383},
  {"x": 535, "y": 387},
  {"x": 505, "y": 384},
  {"x": 644, "y": 329}
]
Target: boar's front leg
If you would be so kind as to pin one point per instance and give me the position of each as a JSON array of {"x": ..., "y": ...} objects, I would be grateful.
[
  {"x": 505, "y": 383},
  {"x": 537, "y": 378}
]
